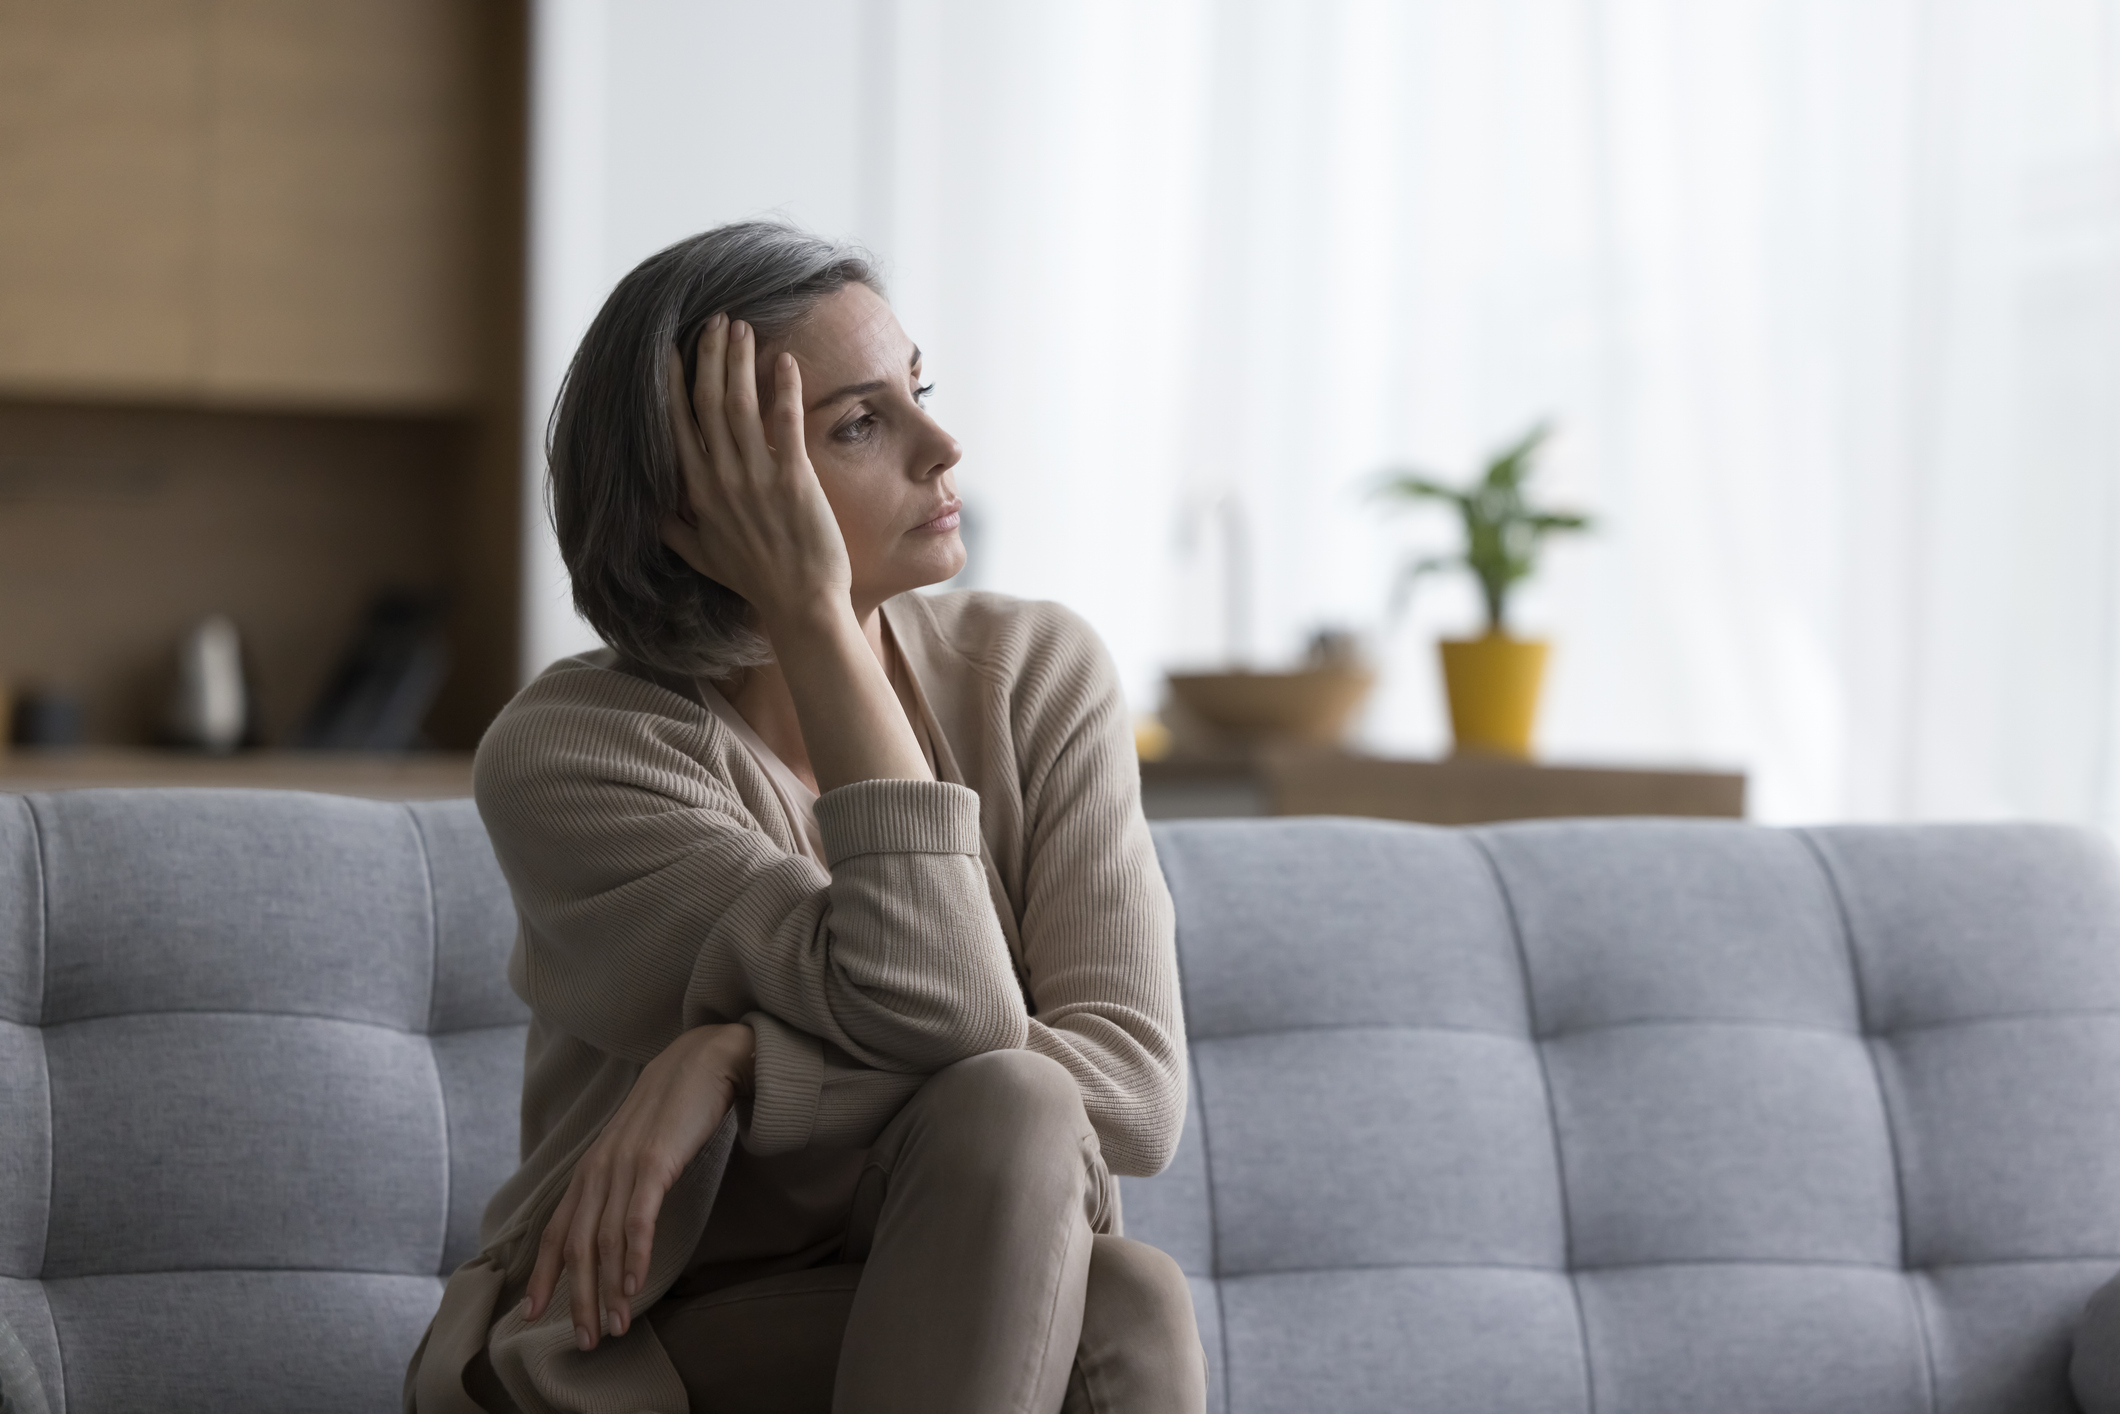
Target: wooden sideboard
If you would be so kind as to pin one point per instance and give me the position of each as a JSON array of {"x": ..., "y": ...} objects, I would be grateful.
[
  {"x": 423, "y": 775},
  {"x": 1457, "y": 790}
]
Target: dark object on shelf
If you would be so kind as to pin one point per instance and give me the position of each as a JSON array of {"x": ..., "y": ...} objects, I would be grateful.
[
  {"x": 210, "y": 700},
  {"x": 48, "y": 719},
  {"x": 382, "y": 691}
]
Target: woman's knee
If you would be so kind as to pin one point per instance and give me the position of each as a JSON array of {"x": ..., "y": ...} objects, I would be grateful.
[
  {"x": 1138, "y": 1287},
  {"x": 1140, "y": 1347},
  {"x": 1005, "y": 1106},
  {"x": 999, "y": 1085}
]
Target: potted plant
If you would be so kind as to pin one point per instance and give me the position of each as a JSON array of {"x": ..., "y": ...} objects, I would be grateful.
[{"x": 1493, "y": 681}]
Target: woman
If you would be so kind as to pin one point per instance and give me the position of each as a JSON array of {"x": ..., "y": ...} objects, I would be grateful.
[{"x": 851, "y": 972}]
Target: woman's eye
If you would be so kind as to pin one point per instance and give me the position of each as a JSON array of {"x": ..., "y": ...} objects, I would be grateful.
[
  {"x": 857, "y": 430},
  {"x": 920, "y": 394}
]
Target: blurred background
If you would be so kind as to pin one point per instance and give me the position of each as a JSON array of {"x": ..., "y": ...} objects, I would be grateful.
[{"x": 1821, "y": 299}]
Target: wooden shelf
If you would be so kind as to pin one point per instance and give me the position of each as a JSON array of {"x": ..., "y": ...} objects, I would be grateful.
[
  {"x": 1459, "y": 790},
  {"x": 436, "y": 775}
]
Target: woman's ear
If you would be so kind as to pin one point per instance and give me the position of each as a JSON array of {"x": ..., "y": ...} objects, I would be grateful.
[{"x": 682, "y": 535}]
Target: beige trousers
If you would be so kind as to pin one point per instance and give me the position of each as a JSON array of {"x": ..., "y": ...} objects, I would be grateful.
[{"x": 975, "y": 1285}]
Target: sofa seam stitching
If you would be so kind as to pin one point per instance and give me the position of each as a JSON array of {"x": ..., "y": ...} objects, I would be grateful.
[
  {"x": 1207, "y": 1159},
  {"x": 1214, "y": 1232},
  {"x": 282, "y": 1016},
  {"x": 51, "y": 1104},
  {"x": 1800, "y": 1028},
  {"x": 1957, "y": 1023},
  {"x": 434, "y": 921},
  {"x": 1192, "y": 1040},
  {"x": 1669, "y": 1263},
  {"x": 44, "y": 910},
  {"x": 51, "y": 1317},
  {"x": 441, "y": 1091},
  {"x": 1871, "y": 1041},
  {"x": 394, "y": 1273},
  {"x": 1553, "y": 1119},
  {"x": 1263, "y": 1274}
]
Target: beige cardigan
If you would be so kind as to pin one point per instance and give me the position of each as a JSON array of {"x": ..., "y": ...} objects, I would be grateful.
[{"x": 1015, "y": 901}]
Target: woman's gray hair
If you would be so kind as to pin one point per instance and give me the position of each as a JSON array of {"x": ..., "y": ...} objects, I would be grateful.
[{"x": 613, "y": 474}]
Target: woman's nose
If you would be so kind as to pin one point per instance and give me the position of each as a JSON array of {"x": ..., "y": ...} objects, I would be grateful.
[{"x": 941, "y": 451}]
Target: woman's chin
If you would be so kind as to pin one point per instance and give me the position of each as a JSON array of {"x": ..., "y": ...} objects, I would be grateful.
[
  {"x": 941, "y": 561},
  {"x": 932, "y": 565}
]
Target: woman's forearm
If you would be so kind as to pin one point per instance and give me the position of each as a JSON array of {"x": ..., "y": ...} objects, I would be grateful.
[{"x": 852, "y": 723}]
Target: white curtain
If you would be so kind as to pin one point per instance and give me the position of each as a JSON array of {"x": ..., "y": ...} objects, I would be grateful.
[{"x": 1823, "y": 295}]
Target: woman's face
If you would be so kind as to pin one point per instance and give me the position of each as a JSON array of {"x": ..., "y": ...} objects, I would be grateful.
[{"x": 886, "y": 466}]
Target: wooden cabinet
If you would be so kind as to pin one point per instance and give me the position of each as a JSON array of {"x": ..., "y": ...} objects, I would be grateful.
[
  {"x": 342, "y": 190},
  {"x": 253, "y": 202},
  {"x": 101, "y": 185},
  {"x": 260, "y": 339}
]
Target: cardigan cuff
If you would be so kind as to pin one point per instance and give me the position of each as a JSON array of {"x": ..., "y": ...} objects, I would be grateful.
[
  {"x": 898, "y": 817},
  {"x": 787, "y": 1072}
]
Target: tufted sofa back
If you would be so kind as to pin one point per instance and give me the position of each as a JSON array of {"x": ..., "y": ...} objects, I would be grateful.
[
  {"x": 1643, "y": 1116},
  {"x": 259, "y": 1071},
  {"x": 1624, "y": 1116}
]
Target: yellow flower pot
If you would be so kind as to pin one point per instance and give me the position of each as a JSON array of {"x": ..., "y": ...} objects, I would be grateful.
[{"x": 1493, "y": 684}]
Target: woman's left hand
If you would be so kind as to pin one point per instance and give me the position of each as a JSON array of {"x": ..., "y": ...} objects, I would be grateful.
[{"x": 601, "y": 1234}]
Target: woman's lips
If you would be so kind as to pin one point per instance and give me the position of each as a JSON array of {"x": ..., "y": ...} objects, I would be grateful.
[{"x": 945, "y": 521}]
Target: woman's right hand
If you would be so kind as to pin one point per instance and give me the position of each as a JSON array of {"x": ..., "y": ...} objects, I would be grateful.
[
  {"x": 755, "y": 517},
  {"x": 603, "y": 1231}
]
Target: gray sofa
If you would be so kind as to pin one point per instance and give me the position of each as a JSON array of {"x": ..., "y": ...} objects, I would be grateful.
[{"x": 1625, "y": 1117}]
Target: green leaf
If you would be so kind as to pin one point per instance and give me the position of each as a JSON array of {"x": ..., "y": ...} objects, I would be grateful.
[
  {"x": 1502, "y": 533},
  {"x": 1416, "y": 488},
  {"x": 1517, "y": 456}
]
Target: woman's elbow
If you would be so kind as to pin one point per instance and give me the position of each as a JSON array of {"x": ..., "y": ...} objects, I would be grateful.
[
  {"x": 1142, "y": 1152},
  {"x": 995, "y": 1023},
  {"x": 926, "y": 1034},
  {"x": 1142, "y": 1142}
]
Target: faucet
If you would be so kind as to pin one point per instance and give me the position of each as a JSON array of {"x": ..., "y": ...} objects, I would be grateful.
[{"x": 1226, "y": 510}]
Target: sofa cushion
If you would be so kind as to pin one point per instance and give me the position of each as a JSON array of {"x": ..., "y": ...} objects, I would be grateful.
[
  {"x": 1560, "y": 1116},
  {"x": 1643, "y": 1115},
  {"x": 259, "y": 1072},
  {"x": 277, "y": 1142}
]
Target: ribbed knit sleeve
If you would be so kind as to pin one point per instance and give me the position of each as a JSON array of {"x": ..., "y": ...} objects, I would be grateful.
[
  {"x": 897, "y": 817},
  {"x": 804, "y": 1098},
  {"x": 660, "y": 886},
  {"x": 651, "y": 901},
  {"x": 1099, "y": 930}
]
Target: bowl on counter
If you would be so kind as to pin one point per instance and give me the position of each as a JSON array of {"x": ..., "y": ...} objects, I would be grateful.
[{"x": 1310, "y": 705}]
